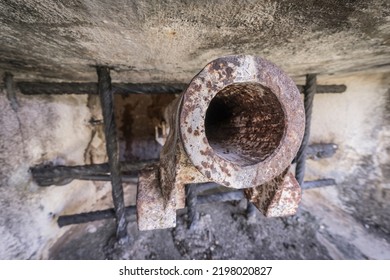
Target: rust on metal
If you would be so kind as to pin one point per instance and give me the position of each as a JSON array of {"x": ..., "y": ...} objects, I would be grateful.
[
  {"x": 278, "y": 197},
  {"x": 153, "y": 210},
  {"x": 239, "y": 123}
]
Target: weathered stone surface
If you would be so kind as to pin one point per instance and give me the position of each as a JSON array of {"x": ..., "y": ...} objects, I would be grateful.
[{"x": 171, "y": 40}]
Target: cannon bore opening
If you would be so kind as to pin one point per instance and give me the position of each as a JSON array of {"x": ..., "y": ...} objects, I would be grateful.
[{"x": 245, "y": 123}]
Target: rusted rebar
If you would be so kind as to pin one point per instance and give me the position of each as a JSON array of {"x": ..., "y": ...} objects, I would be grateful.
[
  {"x": 106, "y": 99},
  {"x": 215, "y": 194},
  {"x": 48, "y": 175},
  {"x": 310, "y": 90},
  {"x": 36, "y": 88},
  {"x": 191, "y": 201},
  {"x": 92, "y": 216}
]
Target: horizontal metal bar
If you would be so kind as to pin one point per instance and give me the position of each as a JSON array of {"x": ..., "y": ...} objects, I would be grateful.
[
  {"x": 46, "y": 176},
  {"x": 60, "y": 175},
  {"x": 320, "y": 151},
  {"x": 326, "y": 88},
  {"x": 33, "y": 88},
  {"x": 105, "y": 178},
  {"x": 214, "y": 187},
  {"x": 92, "y": 216},
  {"x": 201, "y": 199},
  {"x": 131, "y": 210},
  {"x": 318, "y": 183}
]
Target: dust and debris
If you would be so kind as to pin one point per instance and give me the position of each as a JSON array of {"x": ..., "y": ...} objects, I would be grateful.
[{"x": 222, "y": 233}]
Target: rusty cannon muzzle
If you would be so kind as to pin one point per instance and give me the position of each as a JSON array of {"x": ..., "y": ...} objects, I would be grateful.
[{"x": 239, "y": 123}]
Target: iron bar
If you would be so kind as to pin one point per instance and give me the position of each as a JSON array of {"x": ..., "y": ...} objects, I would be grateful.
[
  {"x": 191, "y": 201},
  {"x": 131, "y": 210},
  {"x": 92, "y": 216},
  {"x": 325, "y": 88},
  {"x": 48, "y": 175},
  {"x": 318, "y": 184},
  {"x": 319, "y": 151},
  {"x": 34, "y": 88},
  {"x": 106, "y": 99},
  {"x": 238, "y": 195},
  {"x": 201, "y": 199},
  {"x": 214, "y": 187},
  {"x": 310, "y": 90}
]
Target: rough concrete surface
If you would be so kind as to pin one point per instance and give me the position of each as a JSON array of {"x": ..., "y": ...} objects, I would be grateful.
[
  {"x": 152, "y": 41},
  {"x": 346, "y": 42}
]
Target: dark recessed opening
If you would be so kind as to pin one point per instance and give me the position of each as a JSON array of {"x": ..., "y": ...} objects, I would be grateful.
[{"x": 245, "y": 123}]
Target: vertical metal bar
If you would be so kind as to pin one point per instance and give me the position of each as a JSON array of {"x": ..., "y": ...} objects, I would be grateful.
[
  {"x": 309, "y": 91},
  {"x": 106, "y": 99},
  {"x": 318, "y": 183},
  {"x": 191, "y": 201}
]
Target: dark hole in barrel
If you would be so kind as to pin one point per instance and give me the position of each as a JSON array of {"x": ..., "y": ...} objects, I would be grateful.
[{"x": 245, "y": 123}]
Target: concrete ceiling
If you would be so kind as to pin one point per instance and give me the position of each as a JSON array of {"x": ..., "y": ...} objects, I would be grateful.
[{"x": 170, "y": 41}]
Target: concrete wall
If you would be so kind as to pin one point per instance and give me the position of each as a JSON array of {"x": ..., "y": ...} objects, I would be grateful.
[
  {"x": 354, "y": 212},
  {"x": 43, "y": 130},
  {"x": 171, "y": 40}
]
